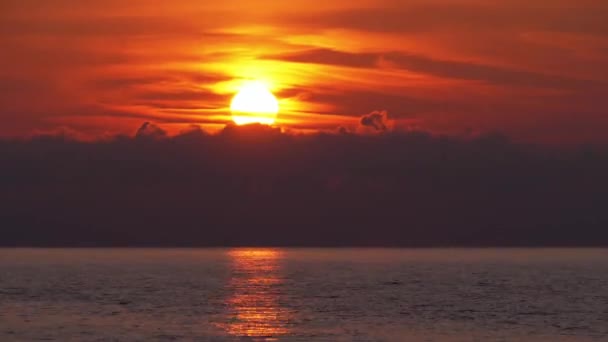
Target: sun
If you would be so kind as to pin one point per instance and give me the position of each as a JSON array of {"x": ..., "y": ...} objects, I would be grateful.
[{"x": 254, "y": 103}]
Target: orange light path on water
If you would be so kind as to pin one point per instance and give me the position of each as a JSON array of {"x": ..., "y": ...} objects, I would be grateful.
[{"x": 253, "y": 308}]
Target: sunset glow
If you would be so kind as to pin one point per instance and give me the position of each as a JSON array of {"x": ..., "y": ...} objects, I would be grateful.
[
  {"x": 533, "y": 71},
  {"x": 254, "y": 103}
]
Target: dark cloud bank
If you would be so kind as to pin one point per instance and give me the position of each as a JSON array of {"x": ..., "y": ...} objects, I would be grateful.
[{"x": 258, "y": 186}]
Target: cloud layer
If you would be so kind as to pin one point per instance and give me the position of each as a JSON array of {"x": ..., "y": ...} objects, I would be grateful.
[{"x": 257, "y": 186}]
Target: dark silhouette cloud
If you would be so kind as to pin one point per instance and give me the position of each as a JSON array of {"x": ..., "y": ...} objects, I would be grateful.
[
  {"x": 342, "y": 130},
  {"x": 377, "y": 120},
  {"x": 150, "y": 131},
  {"x": 255, "y": 185}
]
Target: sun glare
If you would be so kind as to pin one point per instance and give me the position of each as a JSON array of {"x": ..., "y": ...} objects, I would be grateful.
[{"x": 254, "y": 103}]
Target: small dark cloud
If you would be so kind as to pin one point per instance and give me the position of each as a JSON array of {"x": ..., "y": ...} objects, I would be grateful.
[
  {"x": 149, "y": 130},
  {"x": 191, "y": 134},
  {"x": 377, "y": 120},
  {"x": 342, "y": 130}
]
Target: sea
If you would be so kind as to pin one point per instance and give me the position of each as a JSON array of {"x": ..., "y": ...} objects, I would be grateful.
[{"x": 300, "y": 294}]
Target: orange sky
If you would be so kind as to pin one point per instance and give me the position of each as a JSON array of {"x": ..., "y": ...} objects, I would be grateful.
[{"x": 535, "y": 70}]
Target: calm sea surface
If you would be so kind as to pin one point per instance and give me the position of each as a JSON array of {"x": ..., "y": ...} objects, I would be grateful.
[{"x": 304, "y": 294}]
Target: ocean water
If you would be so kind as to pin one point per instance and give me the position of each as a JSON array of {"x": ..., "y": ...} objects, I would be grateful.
[{"x": 272, "y": 294}]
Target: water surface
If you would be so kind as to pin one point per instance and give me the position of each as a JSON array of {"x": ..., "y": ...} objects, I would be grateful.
[{"x": 304, "y": 294}]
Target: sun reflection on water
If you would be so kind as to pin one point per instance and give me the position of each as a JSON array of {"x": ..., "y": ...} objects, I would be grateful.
[{"x": 256, "y": 287}]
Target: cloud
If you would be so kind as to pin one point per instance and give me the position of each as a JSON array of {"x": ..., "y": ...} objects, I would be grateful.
[
  {"x": 122, "y": 82},
  {"x": 342, "y": 130},
  {"x": 254, "y": 131},
  {"x": 587, "y": 17},
  {"x": 436, "y": 67},
  {"x": 181, "y": 95},
  {"x": 330, "y": 57},
  {"x": 257, "y": 185},
  {"x": 150, "y": 131},
  {"x": 377, "y": 120},
  {"x": 115, "y": 26}
]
